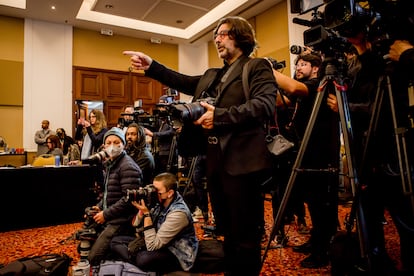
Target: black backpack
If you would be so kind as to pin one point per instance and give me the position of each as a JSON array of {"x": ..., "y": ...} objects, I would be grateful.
[{"x": 49, "y": 264}]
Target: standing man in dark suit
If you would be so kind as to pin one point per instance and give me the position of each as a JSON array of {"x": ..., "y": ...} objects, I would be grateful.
[{"x": 233, "y": 136}]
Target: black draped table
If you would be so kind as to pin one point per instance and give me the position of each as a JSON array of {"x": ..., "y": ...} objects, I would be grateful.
[{"x": 43, "y": 196}]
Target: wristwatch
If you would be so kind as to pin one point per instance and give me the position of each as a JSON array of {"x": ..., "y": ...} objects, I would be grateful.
[{"x": 147, "y": 215}]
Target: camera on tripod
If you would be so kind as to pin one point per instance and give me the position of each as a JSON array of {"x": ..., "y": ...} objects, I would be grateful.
[{"x": 381, "y": 20}]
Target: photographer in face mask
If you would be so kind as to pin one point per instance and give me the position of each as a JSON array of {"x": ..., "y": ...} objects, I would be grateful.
[{"x": 113, "y": 211}]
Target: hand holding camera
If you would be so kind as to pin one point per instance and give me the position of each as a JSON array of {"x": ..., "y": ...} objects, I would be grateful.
[{"x": 206, "y": 120}]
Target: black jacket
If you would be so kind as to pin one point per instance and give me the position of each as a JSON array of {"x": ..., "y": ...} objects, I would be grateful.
[
  {"x": 238, "y": 123},
  {"x": 121, "y": 174}
]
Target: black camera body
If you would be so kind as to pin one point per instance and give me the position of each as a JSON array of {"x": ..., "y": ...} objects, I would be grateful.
[
  {"x": 140, "y": 117},
  {"x": 88, "y": 234},
  {"x": 147, "y": 193},
  {"x": 189, "y": 112}
]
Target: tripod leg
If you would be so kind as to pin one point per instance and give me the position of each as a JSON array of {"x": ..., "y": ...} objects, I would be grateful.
[
  {"x": 403, "y": 162},
  {"x": 171, "y": 154},
  {"x": 280, "y": 212},
  {"x": 356, "y": 210},
  {"x": 190, "y": 174}
]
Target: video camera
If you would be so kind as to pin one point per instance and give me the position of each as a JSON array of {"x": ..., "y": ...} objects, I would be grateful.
[
  {"x": 381, "y": 20},
  {"x": 141, "y": 117}
]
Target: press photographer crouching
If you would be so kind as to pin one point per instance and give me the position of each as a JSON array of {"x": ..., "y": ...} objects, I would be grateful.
[
  {"x": 113, "y": 212},
  {"x": 165, "y": 239}
]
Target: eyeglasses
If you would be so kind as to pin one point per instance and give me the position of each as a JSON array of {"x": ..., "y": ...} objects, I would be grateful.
[
  {"x": 221, "y": 34},
  {"x": 48, "y": 142},
  {"x": 92, "y": 116}
]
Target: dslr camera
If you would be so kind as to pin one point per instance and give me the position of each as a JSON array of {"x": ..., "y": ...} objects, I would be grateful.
[
  {"x": 96, "y": 158},
  {"x": 189, "y": 112},
  {"x": 147, "y": 193},
  {"x": 88, "y": 234}
]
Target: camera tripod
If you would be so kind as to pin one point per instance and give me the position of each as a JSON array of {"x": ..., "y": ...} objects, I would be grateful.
[
  {"x": 384, "y": 88},
  {"x": 330, "y": 83},
  {"x": 172, "y": 154}
]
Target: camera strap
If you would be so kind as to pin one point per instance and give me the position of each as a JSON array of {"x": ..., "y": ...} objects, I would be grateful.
[{"x": 225, "y": 77}]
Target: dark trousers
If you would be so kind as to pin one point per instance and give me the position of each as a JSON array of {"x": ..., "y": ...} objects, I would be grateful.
[
  {"x": 384, "y": 191},
  {"x": 160, "y": 260},
  {"x": 101, "y": 247},
  {"x": 199, "y": 183},
  {"x": 237, "y": 204},
  {"x": 321, "y": 195}
]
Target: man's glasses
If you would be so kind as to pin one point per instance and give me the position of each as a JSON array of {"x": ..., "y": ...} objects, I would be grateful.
[{"x": 221, "y": 34}]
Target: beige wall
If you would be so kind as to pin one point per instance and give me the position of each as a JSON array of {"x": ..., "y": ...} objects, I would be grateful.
[
  {"x": 11, "y": 80},
  {"x": 91, "y": 49},
  {"x": 272, "y": 35}
]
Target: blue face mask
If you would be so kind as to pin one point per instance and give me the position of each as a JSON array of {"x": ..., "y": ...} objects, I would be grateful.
[{"x": 114, "y": 151}]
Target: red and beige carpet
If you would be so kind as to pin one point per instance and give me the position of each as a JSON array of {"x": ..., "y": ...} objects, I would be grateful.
[{"x": 280, "y": 261}]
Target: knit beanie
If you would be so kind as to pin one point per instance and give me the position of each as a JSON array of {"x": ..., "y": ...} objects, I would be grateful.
[{"x": 117, "y": 132}]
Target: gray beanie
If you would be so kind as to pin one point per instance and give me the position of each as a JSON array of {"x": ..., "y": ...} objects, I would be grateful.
[{"x": 117, "y": 132}]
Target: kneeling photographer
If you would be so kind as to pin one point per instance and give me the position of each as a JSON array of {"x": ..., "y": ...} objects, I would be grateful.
[
  {"x": 166, "y": 240},
  {"x": 113, "y": 212}
]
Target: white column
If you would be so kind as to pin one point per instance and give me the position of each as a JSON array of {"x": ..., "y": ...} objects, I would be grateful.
[{"x": 47, "y": 84}]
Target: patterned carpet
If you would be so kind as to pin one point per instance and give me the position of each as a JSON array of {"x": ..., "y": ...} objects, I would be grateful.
[{"x": 280, "y": 261}]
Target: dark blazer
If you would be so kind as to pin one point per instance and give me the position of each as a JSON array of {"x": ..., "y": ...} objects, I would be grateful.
[{"x": 238, "y": 124}]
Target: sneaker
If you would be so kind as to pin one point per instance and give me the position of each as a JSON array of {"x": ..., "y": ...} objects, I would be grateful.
[
  {"x": 198, "y": 214},
  {"x": 303, "y": 229},
  {"x": 280, "y": 241},
  {"x": 212, "y": 219}
]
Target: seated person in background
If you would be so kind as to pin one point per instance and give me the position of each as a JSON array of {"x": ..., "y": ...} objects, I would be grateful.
[
  {"x": 71, "y": 151},
  {"x": 170, "y": 239},
  {"x": 54, "y": 146},
  {"x": 137, "y": 148},
  {"x": 65, "y": 140},
  {"x": 114, "y": 213}
]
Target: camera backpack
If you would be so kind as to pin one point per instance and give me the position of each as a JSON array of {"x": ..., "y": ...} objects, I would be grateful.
[
  {"x": 120, "y": 268},
  {"x": 48, "y": 264}
]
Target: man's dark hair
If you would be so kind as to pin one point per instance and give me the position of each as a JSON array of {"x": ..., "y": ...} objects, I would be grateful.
[
  {"x": 168, "y": 179},
  {"x": 241, "y": 31},
  {"x": 141, "y": 141},
  {"x": 314, "y": 59}
]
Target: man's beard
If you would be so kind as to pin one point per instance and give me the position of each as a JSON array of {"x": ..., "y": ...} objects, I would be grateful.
[{"x": 129, "y": 145}]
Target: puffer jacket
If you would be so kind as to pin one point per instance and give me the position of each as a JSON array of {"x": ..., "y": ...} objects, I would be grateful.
[{"x": 121, "y": 174}]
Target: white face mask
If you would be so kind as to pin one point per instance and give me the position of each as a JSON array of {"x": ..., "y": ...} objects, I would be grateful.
[{"x": 114, "y": 151}]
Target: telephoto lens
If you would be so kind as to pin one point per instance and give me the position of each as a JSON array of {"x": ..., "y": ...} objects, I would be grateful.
[{"x": 296, "y": 49}]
